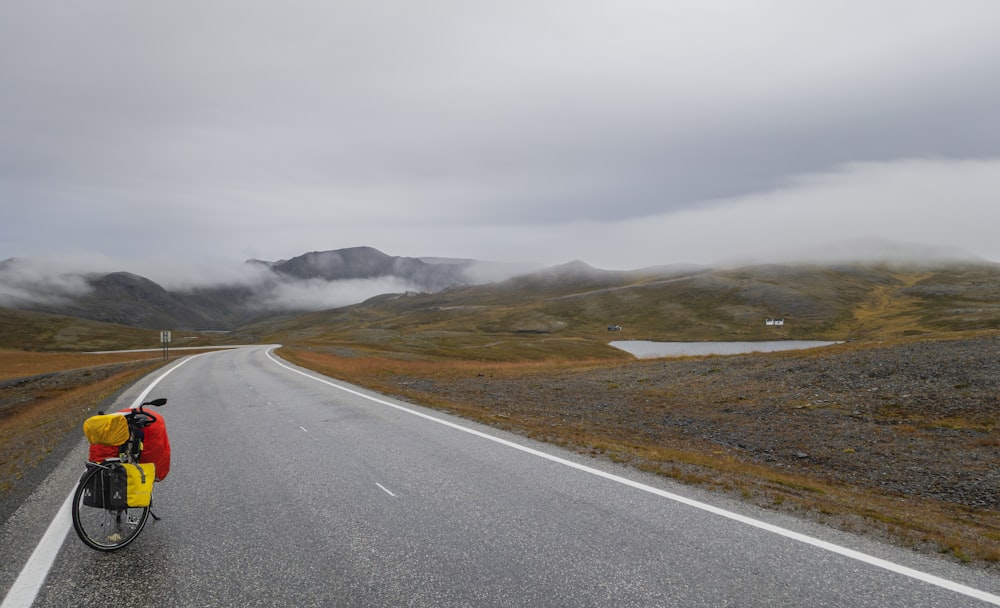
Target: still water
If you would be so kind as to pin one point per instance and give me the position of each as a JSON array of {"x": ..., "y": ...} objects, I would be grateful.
[{"x": 645, "y": 349}]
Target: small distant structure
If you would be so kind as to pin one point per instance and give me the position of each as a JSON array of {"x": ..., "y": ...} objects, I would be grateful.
[
  {"x": 614, "y": 327},
  {"x": 774, "y": 322}
]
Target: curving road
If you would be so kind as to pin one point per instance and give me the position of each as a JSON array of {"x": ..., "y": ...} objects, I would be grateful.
[{"x": 291, "y": 489}]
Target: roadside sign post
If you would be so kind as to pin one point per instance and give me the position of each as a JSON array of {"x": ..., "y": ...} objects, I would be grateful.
[{"x": 165, "y": 340}]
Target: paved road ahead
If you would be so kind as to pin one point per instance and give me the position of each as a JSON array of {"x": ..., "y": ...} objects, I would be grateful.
[{"x": 287, "y": 491}]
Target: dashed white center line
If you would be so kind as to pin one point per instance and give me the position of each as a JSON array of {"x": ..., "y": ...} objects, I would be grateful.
[
  {"x": 384, "y": 489},
  {"x": 304, "y": 429}
]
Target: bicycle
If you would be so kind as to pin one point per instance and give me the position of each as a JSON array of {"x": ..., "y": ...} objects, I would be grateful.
[{"x": 101, "y": 516}]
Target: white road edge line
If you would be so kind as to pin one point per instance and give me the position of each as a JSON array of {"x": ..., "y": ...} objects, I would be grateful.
[
  {"x": 385, "y": 489},
  {"x": 797, "y": 536},
  {"x": 25, "y": 589}
]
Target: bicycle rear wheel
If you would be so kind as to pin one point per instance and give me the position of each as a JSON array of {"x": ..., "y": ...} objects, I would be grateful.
[{"x": 97, "y": 525}]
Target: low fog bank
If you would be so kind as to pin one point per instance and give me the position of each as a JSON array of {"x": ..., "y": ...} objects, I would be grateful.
[
  {"x": 871, "y": 250},
  {"x": 319, "y": 294},
  {"x": 481, "y": 273},
  {"x": 55, "y": 282},
  {"x": 277, "y": 292},
  {"x": 25, "y": 282}
]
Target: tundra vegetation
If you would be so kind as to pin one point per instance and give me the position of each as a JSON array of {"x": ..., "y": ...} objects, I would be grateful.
[{"x": 891, "y": 433}]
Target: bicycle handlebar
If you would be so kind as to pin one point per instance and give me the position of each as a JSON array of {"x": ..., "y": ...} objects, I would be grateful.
[
  {"x": 148, "y": 418},
  {"x": 141, "y": 418}
]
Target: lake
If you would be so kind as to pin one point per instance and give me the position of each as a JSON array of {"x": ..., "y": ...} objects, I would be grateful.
[{"x": 645, "y": 349}]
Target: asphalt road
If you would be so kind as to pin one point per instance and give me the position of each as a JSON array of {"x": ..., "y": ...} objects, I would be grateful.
[{"x": 287, "y": 490}]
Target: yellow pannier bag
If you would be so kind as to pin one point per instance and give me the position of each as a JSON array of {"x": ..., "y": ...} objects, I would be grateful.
[
  {"x": 106, "y": 429},
  {"x": 139, "y": 491}
]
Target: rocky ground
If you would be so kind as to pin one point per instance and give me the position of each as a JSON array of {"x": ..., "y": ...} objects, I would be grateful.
[
  {"x": 19, "y": 391},
  {"x": 917, "y": 421}
]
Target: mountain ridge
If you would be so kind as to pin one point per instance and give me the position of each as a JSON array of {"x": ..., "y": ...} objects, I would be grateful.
[
  {"x": 366, "y": 277},
  {"x": 300, "y": 283}
]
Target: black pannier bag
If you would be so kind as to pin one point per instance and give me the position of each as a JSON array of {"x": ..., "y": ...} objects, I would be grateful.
[
  {"x": 108, "y": 489},
  {"x": 95, "y": 492}
]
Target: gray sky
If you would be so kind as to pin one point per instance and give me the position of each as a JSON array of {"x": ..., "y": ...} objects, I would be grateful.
[{"x": 166, "y": 137}]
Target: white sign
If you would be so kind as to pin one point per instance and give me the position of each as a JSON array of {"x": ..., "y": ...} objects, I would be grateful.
[{"x": 165, "y": 336}]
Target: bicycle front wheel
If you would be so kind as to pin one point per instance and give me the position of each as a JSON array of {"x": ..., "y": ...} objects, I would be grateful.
[{"x": 99, "y": 526}]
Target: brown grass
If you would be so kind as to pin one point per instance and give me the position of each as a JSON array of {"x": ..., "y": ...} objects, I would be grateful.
[
  {"x": 17, "y": 363},
  {"x": 30, "y": 431}
]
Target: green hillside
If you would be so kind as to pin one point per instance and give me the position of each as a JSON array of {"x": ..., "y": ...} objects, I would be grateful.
[
  {"x": 566, "y": 313},
  {"x": 36, "y": 331}
]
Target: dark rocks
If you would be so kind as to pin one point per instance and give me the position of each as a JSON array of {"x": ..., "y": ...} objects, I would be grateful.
[{"x": 911, "y": 419}]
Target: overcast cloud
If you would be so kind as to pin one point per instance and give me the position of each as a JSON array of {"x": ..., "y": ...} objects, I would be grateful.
[{"x": 163, "y": 138}]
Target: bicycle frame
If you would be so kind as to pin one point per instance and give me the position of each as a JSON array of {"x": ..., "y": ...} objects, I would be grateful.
[{"x": 100, "y": 523}]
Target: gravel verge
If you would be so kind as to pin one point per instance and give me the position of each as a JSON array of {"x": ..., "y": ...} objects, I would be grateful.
[{"x": 914, "y": 421}]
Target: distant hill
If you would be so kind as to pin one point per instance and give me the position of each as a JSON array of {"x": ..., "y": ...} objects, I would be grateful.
[
  {"x": 124, "y": 298},
  {"x": 315, "y": 280},
  {"x": 570, "y": 308},
  {"x": 29, "y": 330},
  {"x": 363, "y": 294},
  {"x": 370, "y": 263}
]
